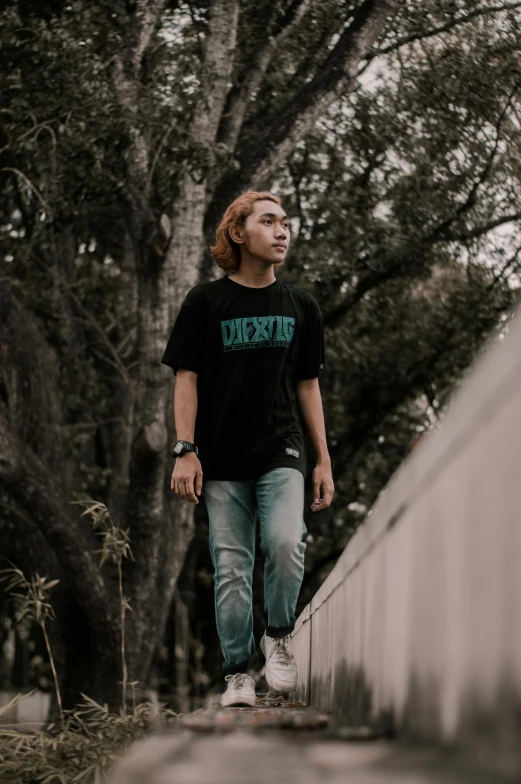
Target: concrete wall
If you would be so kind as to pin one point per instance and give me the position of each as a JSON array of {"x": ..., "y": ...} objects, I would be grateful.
[{"x": 418, "y": 627}]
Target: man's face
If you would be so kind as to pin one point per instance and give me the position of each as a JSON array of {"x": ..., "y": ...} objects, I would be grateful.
[{"x": 266, "y": 232}]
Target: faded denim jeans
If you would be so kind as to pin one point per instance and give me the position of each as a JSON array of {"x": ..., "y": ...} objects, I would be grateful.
[{"x": 278, "y": 497}]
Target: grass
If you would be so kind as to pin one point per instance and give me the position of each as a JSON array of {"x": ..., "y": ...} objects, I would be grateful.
[{"x": 81, "y": 749}]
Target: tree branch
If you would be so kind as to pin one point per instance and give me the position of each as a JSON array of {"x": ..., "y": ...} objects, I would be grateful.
[
  {"x": 91, "y": 321},
  {"x": 33, "y": 188},
  {"x": 377, "y": 277},
  {"x": 218, "y": 59},
  {"x": 513, "y": 261},
  {"x": 239, "y": 98},
  {"x": 442, "y": 233},
  {"x": 29, "y": 378},
  {"x": 267, "y": 143},
  {"x": 407, "y": 384},
  {"x": 36, "y": 490},
  {"x": 408, "y": 39},
  {"x": 125, "y": 70},
  {"x": 146, "y": 14},
  {"x": 478, "y": 231}
]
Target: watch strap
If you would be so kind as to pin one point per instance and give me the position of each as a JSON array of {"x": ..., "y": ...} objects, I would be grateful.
[{"x": 188, "y": 446}]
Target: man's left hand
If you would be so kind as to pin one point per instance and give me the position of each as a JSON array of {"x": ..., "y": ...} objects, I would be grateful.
[{"x": 323, "y": 486}]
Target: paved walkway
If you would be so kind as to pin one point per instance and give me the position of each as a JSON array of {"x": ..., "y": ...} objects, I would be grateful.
[{"x": 286, "y": 743}]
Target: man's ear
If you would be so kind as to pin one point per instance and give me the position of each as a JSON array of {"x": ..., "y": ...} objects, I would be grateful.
[{"x": 237, "y": 234}]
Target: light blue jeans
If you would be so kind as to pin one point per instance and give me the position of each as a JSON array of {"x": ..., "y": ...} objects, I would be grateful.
[{"x": 278, "y": 497}]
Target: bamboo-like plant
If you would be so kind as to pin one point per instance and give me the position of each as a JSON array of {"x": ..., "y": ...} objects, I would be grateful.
[
  {"x": 90, "y": 738},
  {"x": 82, "y": 750},
  {"x": 115, "y": 545},
  {"x": 31, "y": 597}
]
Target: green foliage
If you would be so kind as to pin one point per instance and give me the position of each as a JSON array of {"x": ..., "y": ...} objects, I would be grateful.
[
  {"x": 31, "y": 596},
  {"x": 115, "y": 547},
  {"x": 33, "y": 605},
  {"x": 81, "y": 750},
  {"x": 115, "y": 541}
]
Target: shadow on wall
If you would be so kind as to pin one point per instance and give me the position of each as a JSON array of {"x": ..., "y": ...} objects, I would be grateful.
[{"x": 353, "y": 699}]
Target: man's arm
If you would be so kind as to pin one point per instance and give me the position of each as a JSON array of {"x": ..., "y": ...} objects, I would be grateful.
[
  {"x": 185, "y": 404},
  {"x": 187, "y": 476},
  {"x": 310, "y": 403}
]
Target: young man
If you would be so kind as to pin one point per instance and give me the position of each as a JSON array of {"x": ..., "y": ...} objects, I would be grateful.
[{"x": 247, "y": 351}]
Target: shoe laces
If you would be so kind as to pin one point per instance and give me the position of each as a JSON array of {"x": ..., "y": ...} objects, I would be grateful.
[
  {"x": 281, "y": 654},
  {"x": 237, "y": 679}
]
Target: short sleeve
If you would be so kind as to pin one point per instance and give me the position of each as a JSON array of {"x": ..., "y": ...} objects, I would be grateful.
[
  {"x": 185, "y": 347},
  {"x": 311, "y": 355}
]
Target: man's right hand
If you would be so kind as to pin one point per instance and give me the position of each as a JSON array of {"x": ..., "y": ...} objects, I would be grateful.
[{"x": 187, "y": 477}]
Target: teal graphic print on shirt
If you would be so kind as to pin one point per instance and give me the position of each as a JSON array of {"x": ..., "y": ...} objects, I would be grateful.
[{"x": 257, "y": 331}]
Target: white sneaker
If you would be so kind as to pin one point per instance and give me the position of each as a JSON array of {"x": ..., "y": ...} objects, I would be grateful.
[
  {"x": 240, "y": 690},
  {"x": 281, "y": 667}
]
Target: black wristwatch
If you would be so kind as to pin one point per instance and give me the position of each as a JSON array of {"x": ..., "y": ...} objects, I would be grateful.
[{"x": 184, "y": 446}]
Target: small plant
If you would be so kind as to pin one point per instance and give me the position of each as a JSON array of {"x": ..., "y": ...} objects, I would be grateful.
[
  {"x": 82, "y": 750},
  {"x": 115, "y": 547},
  {"x": 31, "y": 596},
  {"x": 89, "y": 739}
]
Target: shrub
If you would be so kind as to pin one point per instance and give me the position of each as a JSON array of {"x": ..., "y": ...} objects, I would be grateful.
[{"x": 81, "y": 749}]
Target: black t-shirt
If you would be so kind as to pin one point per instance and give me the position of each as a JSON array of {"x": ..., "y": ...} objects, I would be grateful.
[{"x": 249, "y": 347}]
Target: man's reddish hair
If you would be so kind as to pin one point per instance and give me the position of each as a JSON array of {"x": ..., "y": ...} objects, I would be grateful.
[{"x": 226, "y": 252}]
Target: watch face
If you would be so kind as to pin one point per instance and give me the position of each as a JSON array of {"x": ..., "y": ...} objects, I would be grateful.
[{"x": 178, "y": 448}]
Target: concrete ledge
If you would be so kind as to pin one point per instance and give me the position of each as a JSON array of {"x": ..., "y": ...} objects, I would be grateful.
[{"x": 418, "y": 626}]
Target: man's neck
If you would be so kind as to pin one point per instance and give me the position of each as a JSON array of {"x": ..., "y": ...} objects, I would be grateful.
[{"x": 253, "y": 281}]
